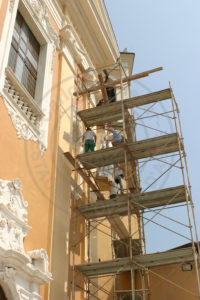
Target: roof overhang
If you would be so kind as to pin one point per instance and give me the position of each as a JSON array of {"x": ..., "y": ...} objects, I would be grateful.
[{"x": 93, "y": 26}]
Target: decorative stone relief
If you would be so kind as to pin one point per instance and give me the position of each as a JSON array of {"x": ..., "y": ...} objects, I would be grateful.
[
  {"x": 7, "y": 273},
  {"x": 11, "y": 197},
  {"x": 39, "y": 9},
  {"x": 25, "y": 116},
  {"x": 22, "y": 127},
  {"x": 11, "y": 5},
  {"x": 24, "y": 130},
  {"x": 22, "y": 273},
  {"x": 68, "y": 37},
  {"x": 40, "y": 259},
  {"x": 13, "y": 216}
]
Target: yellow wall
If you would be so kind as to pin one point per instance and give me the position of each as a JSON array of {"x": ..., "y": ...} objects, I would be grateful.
[
  {"x": 161, "y": 289},
  {"x": 3, "y": 8},
  {"x": 22, "y": 159},
  {"x": 61, "y": 218}
]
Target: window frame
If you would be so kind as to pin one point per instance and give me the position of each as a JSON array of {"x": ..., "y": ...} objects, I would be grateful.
[
  {"x": 20, "y": 53},
  {"x": 36, "y": 17}
]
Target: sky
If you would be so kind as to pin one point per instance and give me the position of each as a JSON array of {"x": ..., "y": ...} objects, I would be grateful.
[{"x": 167, "y": 34}]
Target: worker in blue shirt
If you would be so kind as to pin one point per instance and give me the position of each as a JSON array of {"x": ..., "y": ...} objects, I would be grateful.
[{"x": 117, "y": 137}]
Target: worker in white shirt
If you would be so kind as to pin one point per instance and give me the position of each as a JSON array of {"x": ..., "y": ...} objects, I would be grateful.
[
  {"x": 89, "y": 138},
  {"x": 118, "y": 176}
]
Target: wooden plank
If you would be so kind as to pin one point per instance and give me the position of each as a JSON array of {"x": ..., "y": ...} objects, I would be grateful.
[
  {"x": 113, "y": 111},
  {"x": 119, "y": 206},
  {"x": 116, "y": 82},
  {"x": 83, "y": 175},
  {"x": 131, "y": 167},
  {"x": 176, "y": 256},
  {"x": 141, "y": 149},
  {"x": 116, "y": 223},
  {"x": 104, "y": 183},
  {"x": 103, "y": 89}
]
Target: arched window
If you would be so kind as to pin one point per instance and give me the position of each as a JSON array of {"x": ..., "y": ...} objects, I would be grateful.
[{"x": 2, "y": 294}]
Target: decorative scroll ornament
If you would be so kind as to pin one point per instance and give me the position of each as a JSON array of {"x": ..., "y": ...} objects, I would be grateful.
[
  {"x": 13, "y": 216},
  {"x": 23, "y": 128},
  {"x": 40, "y": 258},
  {"x": 69, "y": 38},
  {"x": 17, "y": 268},
  {"x": 39, "y": 9}
]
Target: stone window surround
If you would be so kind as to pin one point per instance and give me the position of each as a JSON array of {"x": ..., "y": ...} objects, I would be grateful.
[{"x": 29, "y": 116}]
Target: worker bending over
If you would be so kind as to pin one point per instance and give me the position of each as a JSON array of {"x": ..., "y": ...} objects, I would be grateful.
[
  {"x": 118, "y": 176},
  {"x": 116, "y": 137}
]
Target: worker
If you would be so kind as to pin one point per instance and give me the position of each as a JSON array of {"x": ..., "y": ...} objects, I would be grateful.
[
  {"x": 116, "y": 137},
  {"x": 90, "y": 138},
  {"x": 118, "y": 176},
  {"x": 113, "y": 190},
  {"x": 110, "y": 90}
]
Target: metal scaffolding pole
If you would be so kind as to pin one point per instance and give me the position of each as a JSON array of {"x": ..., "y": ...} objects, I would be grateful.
[
  {"x": 139, "y": 210},
  {"x": 187, "y": 200}
]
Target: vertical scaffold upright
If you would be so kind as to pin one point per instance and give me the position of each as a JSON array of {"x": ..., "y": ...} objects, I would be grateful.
[{"x": 124, "y": 219}]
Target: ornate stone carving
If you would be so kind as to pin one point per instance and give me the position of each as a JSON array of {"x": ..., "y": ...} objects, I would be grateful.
[
  {"x": 7, "y": 273},
  {"x": 76, "y": 50},
  {"x": 39, "y": 9},
  {"x": 40, "y": 259},
  {"x": 11, "y": 198},
  {"x": 13, "y": 216},
  {"x": 31, "y": 269},
  {"x": 23, "y": 128}
]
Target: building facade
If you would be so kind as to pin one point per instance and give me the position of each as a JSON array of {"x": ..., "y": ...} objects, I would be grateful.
[
  {"x": 51, "y": 52},
  {"x": 42, "y": 45}
]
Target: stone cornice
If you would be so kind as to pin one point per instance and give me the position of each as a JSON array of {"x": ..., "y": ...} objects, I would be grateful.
[
  {"x": 56, "y": 12},
  {"x": 92, "y": 32},
  {"x": 23, "y": 263}
]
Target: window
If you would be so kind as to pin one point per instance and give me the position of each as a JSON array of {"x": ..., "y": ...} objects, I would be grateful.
[
  {"x": 24, "y": 55},
  {"x": 27, "y": 48}
]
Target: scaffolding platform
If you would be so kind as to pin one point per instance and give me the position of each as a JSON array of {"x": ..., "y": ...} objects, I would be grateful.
[
  {"x": 177, "y": 256},
  {"x": 119, "y": 206},
  {"x": 115, "y": 222},
  {"x": 141, "y": 149},
  {"x": 113, "y": 111}
]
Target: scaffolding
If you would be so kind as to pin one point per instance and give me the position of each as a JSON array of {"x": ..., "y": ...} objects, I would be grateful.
[{"x": 124, "y": 219}]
